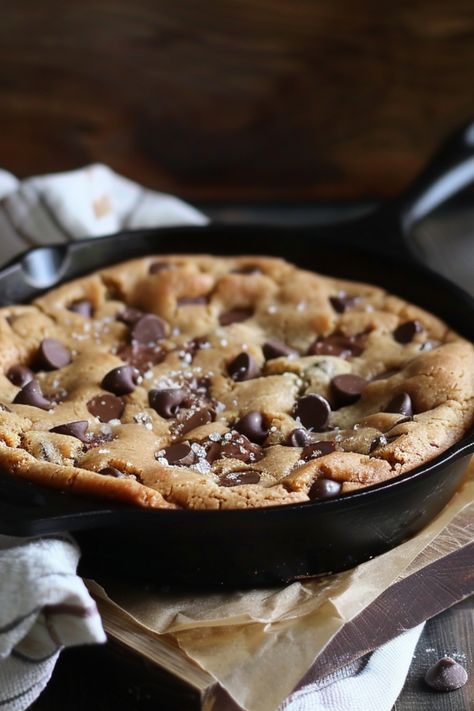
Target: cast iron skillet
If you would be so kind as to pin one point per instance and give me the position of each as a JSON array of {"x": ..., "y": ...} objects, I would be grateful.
[{"x": 247, "y": 548}]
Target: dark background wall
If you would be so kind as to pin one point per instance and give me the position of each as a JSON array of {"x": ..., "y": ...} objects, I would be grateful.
[{"x": 251, "y": 99}]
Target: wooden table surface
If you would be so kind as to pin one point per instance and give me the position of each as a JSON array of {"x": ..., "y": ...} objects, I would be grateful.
[{"x": 95, "y": 679}]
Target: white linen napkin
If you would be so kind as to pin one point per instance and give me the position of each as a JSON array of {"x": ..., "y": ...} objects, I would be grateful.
[{"x": 44, "y": 606}]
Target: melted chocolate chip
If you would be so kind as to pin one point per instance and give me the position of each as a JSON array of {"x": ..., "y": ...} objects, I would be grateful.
[
  {"x": 401, "y": 404},
  {"x": 112, "y": 471},
  {"x": 83, "y": 307},
  {"x": 180, "y": 454},
  {"x": 195, "y": 345},
  {"x": 52, "y": 355},
  {"x": 318, "y": 449},
  {"x": 140, "y": 356},
  {"x": 406, "y": 332},
  {"x": 73, "y": 429},
  {"x": 167, "y": 402},
  {"x": 342, "y": 301},
  {"x": 249, "y": 476},
  {"x": 201, "y": 417},
  {"x": 313, "y": 411},
  {"x": 121, "y": 380},
  {"x": 277, "y": 349},
  {"x": 347, "y": 388},
  {"x": 248, "y": 270},
  {"x": 96, "y": 439},
  {"x": 106, "y": 407},
  {"x": 19, "y": 375},
  {"x": 189, "y": 300},
  {"x": 252, "y": 426},
  {"x": 336, "y": 345},
  {"x": 297, "y": 438},
  {"x": 31, "y": 394},
  {"x": 130, "y": 315},
  {"x": 157, "y": 267},
  {"x": 239, "y": 447},
  {"x": 243, "y": 367},
  {"x": 446, "y": 675},
  {"x": 378, "y": 441},
  {"x": 324, "y": 489},
  {"x": 148, "y": 329},
  {"x": 235, "y": 316}
]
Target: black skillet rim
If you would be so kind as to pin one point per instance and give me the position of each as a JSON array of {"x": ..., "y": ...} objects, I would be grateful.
[{"x": 462, "y": 448}]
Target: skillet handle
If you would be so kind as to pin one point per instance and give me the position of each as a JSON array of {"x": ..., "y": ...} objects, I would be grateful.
[{"x": 449, "y": 171}]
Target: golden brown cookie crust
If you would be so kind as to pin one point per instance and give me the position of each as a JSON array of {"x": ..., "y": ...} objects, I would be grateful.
[{"x": 416, "y": 399}]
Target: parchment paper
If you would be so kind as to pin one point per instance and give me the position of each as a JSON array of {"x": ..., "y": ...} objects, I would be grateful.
[{"x": 259, "y": 644}]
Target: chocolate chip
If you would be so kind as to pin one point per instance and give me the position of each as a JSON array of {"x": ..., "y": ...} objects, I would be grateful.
[
  {"x": 83, "y": 307},
  {"x": 297, "y": 438},
  {"x": 106, "y": 407},
  {"x": 19, "y": 375},
  {"x": 446, "y": 675},
  {"x": 148, "y": 329},
  {"x": 121, "y": 380},
  {"x": 235, "y": 316},
  {"x": 239, "y": 447},
  {"x": 342, "y": 301},
  {"x": 180, "y": 454},
  {"x": 140, "y": 356},
  {"x": 347, "y": 388},
  {"x": 52, "y": 354},
  {"x": 195, "y": 345},
  {"x": 406, "y": 332},
  {"x": 130, "y": 315},
  {"x": 73, "y": 429},
  {"x": 401, "y": 404},
  {"x": 336, "y": 345},
  {"x": 201, "y": 417},
  {"x": 313, "y": 411},
  {"x": 166, "y": 402},
  {"x": 378, "y": 441},
  {"x": 324, "y": 489},
  {"x": 31, "y": 394},
  {"x": 250, "y": 476},
  {"x": 243, "y": 367},
  {"x": 214, "y": 452},
  {"x": 189, "y": 300},
  {"x": 277, "y": 349},
  {"x": 251, "y": 425},
  {"x": 112, "y": 471},
  {"x": 157, "y": 267},
  {"x": 318, "y": 449},
  {"x": 96, "y": 439},
  {"x": 248, "y": 270}
]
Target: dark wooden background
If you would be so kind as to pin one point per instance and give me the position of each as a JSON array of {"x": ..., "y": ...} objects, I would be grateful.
[{"x": 243, "y": 99}]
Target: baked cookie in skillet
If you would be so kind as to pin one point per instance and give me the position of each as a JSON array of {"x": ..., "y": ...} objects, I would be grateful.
[{"x": 192, "y": 381}]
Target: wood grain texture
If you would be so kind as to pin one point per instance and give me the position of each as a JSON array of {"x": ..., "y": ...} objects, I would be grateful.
[
  {"x": 266, "y": 99},
  {"x": 452, "y": 634}
]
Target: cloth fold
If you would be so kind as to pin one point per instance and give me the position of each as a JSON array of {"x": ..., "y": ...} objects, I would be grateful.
[{"x": 44, "y": 605}]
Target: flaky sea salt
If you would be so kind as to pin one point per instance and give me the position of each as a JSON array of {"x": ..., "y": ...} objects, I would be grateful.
[
  {"x": 202, "y": 466},
  {"x": 215, "y": 437}
]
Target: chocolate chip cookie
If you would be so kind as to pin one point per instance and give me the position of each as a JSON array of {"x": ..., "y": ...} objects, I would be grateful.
[{"x": 192, "y": 381}]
